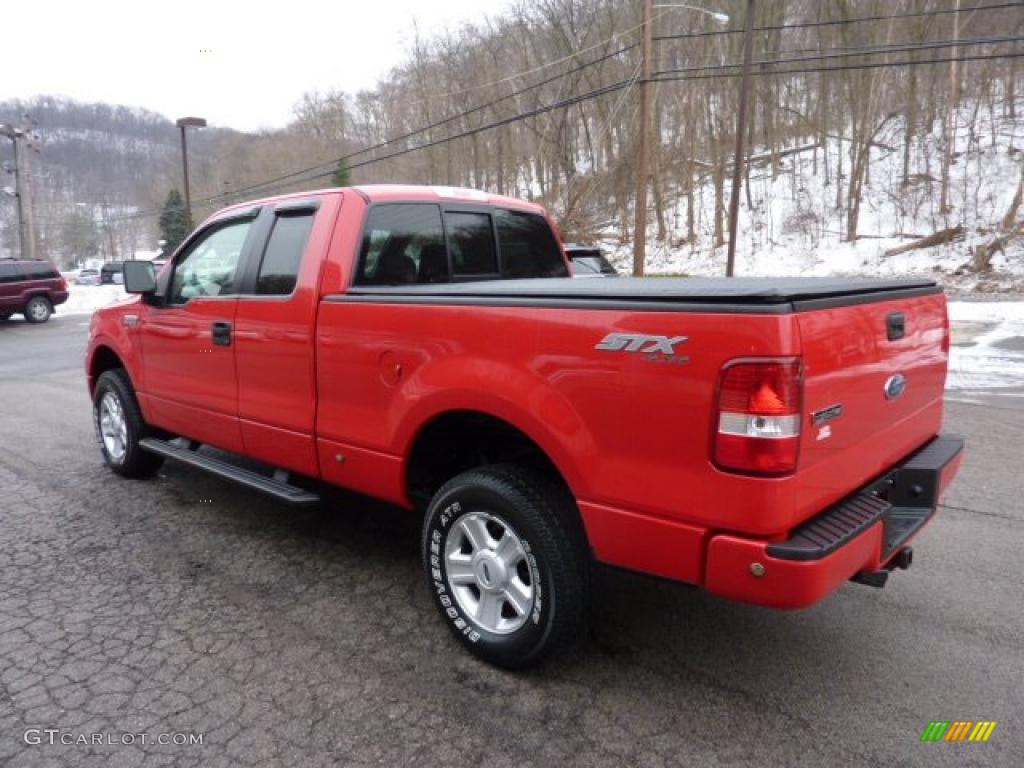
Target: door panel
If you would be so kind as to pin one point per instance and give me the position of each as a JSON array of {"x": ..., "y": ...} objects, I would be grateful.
[
  {"x": 191, "y": 384},
  {"x": 275, "y": 338}
]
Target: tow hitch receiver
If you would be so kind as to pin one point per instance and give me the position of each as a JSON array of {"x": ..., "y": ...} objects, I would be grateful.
[{"x": 902, "y": 560}]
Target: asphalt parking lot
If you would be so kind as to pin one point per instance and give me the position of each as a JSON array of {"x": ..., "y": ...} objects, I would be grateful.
[{"x": 306, "y": 638}]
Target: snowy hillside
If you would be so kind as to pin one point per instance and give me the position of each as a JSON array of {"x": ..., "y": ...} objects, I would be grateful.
[{"x": 795, "y": 227}]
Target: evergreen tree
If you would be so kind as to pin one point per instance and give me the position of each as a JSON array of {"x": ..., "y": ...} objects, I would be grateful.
[
  {"x": 173, "y": 222},
  {"x": 342, "y": 174},
  {"x": 79, "y": 238}
]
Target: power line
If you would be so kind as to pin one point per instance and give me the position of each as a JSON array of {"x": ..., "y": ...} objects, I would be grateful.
[
  {"x": 292, "y": 178},
  {"x": 560, "y": 104},
  {"x": 872, "y": 51},
  {"x": 545, "y": 65},
  {"x": 380, "y": 145},
  {"x": 625, "y": 83},
  {"x": 842, "y": 68},
  {"x": 664, "y": 76},
  {"x": 438, "y": 123},
  {"x": 839, "y": 22}
]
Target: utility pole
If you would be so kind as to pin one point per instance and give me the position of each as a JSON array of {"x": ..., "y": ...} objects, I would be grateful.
[
  {"x": 183, "y": 123},
  {"x": 20, "y": 197},
  {"x": 25, "y": 176},
  {"x": 741, "y": 129},
  {"x": 643, "y": 159},
  {"x": 15, "y": 135},
  {"x": 954, "y": 98}
]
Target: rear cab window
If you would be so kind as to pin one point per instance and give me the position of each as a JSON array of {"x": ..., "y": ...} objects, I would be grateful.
[
  {"x": 406, "y": 243},
  {"x": 528, "y": 246}
]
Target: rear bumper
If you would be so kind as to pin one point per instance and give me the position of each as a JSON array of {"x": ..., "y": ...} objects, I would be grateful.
[
  {"x": 860, "y": 534},
  {"x": 58, "y": 297}
]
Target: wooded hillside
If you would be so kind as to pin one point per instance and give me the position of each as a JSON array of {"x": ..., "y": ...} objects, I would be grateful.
[{"x": 541, "y": 103}]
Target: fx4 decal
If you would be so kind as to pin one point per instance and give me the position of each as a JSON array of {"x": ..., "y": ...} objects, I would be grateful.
[{"x": 657, "y": 349}]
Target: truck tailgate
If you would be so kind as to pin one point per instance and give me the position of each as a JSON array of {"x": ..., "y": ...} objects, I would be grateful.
[{"x": 874, "y": 378}]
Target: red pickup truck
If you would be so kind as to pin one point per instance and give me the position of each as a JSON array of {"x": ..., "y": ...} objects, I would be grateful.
[{"x": 767, "y": 440}]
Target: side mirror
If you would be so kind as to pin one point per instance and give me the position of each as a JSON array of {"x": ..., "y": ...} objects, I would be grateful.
[{"x": 139, "y": 277}]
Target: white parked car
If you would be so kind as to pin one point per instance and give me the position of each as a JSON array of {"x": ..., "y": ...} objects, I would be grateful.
[{"x": 87, "y": 277}]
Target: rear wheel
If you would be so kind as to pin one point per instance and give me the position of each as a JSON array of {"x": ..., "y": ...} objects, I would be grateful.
[
  {"x": 38, "y": 309},
  {"x": 119, "y": 427},
  {"x": 506, "y": 563}
]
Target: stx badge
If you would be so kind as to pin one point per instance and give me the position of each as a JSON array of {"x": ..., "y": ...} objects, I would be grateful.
[{"x": 656, "y": 349}]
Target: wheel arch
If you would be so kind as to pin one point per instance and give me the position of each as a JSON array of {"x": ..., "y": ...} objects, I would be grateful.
[
  {"x": 458, "y": 439},
  {"x": 103, "y": 358}
]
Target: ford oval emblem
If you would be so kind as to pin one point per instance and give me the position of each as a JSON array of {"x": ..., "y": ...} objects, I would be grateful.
[{"x": 895, "y": 386}]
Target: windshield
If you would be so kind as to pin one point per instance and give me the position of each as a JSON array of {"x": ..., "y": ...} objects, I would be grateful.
[{"x": 591, "y": 263}]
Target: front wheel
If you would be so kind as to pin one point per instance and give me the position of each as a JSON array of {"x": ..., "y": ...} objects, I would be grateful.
[
  {"x": 38, "y": 309},
  {"x": 119, "y": 427},
  {"x": 506, "y": 563}
]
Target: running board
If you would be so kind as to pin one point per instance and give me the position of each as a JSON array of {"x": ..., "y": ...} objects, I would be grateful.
[{"x": 276, "y": 486}]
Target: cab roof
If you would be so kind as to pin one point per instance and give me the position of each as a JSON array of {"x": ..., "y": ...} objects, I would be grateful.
[{"x": 393, "y": 193}]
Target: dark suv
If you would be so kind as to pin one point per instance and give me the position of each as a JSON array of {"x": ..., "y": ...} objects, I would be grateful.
[
  {"x": 112, "y": 272},
  {"x": 32, "y": 288}
]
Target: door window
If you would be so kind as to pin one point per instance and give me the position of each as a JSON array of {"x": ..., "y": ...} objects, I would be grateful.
[
  {"x": 9, "y": 273},
  {"x": 40, "y": 270},
  {"x": 471, "y": 240},
  {"x": 210, "y": 268},
  {"x": 279, "y": 269}
]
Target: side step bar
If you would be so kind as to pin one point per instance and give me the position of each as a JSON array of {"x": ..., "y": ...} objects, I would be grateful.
[{"x": 276, "y": 486}]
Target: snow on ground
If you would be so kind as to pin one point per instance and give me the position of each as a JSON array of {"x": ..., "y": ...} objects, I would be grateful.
[
  {"x": 987, "y": 353},
  {"x": 86, "y": 299}
]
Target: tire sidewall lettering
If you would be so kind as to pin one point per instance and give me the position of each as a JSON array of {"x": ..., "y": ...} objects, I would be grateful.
[{"x": 439, "y": 529}]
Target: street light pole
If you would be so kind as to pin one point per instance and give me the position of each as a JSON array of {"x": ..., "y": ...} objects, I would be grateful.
[
  {"x": 741, "y": 130},
  {"x": 643, "y": 151},
  {"x": 183, "y": 123}
]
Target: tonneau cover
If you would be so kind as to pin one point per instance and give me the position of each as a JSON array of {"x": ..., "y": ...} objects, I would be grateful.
[{"x": 745, "y": 290}]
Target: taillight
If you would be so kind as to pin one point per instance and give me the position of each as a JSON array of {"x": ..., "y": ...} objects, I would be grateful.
[{"x": 758, "y": 419}]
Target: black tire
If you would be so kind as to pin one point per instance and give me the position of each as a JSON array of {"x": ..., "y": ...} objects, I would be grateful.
[
  {"x": 542, "y": 515},
  {"x": 134, "y": 462},
  {"x": 38, "y": 309},
  {"x": 5, "y": 316}
]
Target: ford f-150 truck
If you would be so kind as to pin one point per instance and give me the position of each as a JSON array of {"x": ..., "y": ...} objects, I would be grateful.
[{"x": 767, "y": 440}]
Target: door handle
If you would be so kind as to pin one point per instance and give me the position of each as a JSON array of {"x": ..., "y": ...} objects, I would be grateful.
[{"x": 221, "y": 333}]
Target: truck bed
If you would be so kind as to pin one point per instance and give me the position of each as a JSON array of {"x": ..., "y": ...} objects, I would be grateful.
[{"x": 742, "y": 294}]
